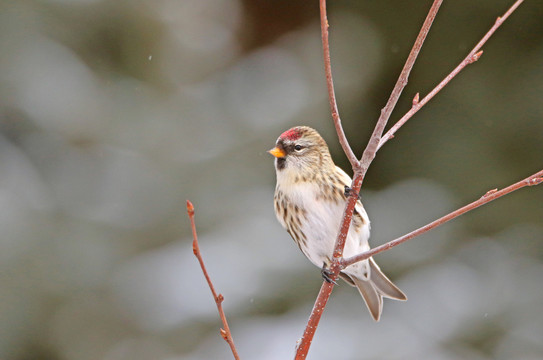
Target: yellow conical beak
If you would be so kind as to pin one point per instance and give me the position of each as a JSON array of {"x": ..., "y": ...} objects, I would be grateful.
[{"x": 278, "y": 153}]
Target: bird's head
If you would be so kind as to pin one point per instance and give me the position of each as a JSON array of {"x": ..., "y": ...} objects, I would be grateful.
[{"x": 301, "y": 151}]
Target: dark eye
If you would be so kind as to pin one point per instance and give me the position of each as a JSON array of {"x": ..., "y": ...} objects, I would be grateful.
[{"x": 298, "y": 147}]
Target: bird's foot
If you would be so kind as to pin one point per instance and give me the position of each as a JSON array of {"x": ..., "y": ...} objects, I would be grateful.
[
  {"x": 327, "y": 275},
  {"x": 349, "y": 191}
]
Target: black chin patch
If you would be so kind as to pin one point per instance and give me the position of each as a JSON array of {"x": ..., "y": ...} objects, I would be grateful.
[{"x": 280, "y": 163}]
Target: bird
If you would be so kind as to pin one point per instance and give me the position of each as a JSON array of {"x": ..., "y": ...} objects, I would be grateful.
[{"x": 309, "y": 201}]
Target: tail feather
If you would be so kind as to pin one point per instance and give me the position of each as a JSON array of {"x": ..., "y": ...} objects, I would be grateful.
[
  {"x": 382, "y": 283},
  {"x": 374, "y": 289},
  {"x": 374, "y": 300}
]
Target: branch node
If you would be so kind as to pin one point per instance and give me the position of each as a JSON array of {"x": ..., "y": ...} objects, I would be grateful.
[
  {"x": 489, "y": 192},
  {"x": 224, "y": 335},
  {"x": 498, "y": 19},
  {"x": 475, "y": 57},
  {"x": 416, "y": 99},
  {"x": 219, "y": 298},
  {"x": 535, "y": 181},
  {"x": 357, "y": 168}
]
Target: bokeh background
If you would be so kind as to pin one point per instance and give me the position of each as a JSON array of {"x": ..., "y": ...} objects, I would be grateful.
[{"x": 112, "y": 113}]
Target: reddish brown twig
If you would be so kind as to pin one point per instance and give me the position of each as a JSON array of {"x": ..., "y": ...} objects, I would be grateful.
[
  {"x": 359, "y": 167},
  {"x": 225, "y": 333},
  {"x": 491, "y": 195},
  {"x": 331, "y": 92},
  {"x": 373, "y": 144},
  {"x": 472, "y": 57},
  {"x": 371, "y": 148}
]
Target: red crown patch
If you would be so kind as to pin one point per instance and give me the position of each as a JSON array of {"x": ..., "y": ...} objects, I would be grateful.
[{"x": 291, "y": 134}]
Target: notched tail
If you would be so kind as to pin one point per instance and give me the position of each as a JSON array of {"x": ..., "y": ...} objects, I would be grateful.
[
  {"x": 374, "y": 289},
  {"x": 383, "y": 284},
  {"x": 373, "y": 299}
]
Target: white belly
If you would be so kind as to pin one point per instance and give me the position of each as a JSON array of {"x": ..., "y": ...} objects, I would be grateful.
[{"x": 321, "y": 228}]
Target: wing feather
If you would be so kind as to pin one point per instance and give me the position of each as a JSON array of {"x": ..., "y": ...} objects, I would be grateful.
[{"x": 346, "y": 180}]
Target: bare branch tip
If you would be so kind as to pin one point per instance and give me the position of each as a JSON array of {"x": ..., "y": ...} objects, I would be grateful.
[{"x": 190, "y": 208}]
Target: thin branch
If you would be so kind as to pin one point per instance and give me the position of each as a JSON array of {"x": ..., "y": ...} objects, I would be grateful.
[
  {"x": 359, "y": 168},
  {"x": 491, "y": 195},
  {"x": 331, "y": 92},
  {"x": 326, "y": 288},
  {"x": 473, "y": 56},
  {"x": 373, "y": 144},
  {"x": 225, "y": 333}
]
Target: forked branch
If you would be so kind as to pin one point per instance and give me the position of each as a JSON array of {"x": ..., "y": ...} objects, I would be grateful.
[
  {"x": 376, "y": 141},
  {"x": 359, "y": 167},
  {"x": 225, "y": 332},
  {"x": 373, "y": 144},
  {"x": 472, "y": 57}
]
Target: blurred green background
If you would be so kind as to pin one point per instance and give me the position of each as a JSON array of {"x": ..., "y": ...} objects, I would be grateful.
[{"x": 112, "y": 113}]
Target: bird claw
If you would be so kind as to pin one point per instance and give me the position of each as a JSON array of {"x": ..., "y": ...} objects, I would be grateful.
[
  {"x": 327, "y": 275},
  {"x": 348, "y": 192}
]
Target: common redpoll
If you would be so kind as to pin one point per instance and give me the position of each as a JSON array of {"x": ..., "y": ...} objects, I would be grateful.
[{"x": 309, "y": 202}]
